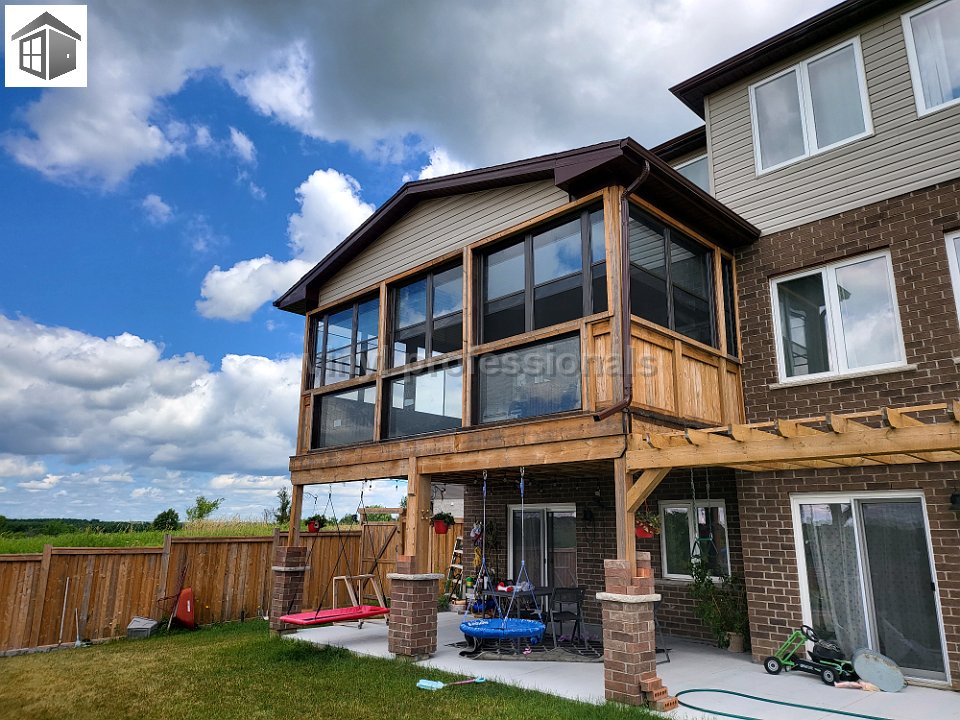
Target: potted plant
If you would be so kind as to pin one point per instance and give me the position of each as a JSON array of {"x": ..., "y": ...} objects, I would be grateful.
[
  {"x": 315, "y": 522},
  {"x": 648, "y": 524},
  {"x": 721, "y": 604},
  {"x": 442, "y": 522}
]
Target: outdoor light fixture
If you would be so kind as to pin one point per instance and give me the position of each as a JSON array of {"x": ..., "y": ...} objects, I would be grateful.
[{"x": 955, "y": 502}]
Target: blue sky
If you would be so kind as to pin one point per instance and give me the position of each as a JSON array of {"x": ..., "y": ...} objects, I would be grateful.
[{"x": 148, "y": 220}]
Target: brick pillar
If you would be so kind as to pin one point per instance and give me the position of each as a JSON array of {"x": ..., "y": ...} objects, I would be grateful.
[
  {"x": 413, "y": 611},
  {"x": 629, "y": 639},
  {"x": 289, "y": 567}
]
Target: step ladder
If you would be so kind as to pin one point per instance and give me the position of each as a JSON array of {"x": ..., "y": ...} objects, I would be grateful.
[{"x": 453, "y": 584}]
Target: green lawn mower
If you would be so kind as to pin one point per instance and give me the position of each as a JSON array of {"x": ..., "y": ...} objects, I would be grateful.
[{"x": 826, "y": 658}]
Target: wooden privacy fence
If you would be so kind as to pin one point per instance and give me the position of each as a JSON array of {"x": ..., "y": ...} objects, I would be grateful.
[{"x": 102, "y": 589}]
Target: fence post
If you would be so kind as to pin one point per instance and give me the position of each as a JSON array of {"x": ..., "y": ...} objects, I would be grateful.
[
  {"x": 162, "y": 580},
  {"x": 41, "y": 596}
]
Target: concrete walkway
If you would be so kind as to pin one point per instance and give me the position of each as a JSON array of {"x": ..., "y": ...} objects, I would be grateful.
[{"x": 693, "y": 665}]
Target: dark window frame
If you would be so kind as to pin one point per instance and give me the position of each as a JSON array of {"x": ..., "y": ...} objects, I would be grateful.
[
  {"x": 668, "y": 277},
  {"x": 317, "y": 368},
  {"x": 316, "y": 410},
  {"x": 530, "y": 288},
  {"x": 430, "y": 322}
]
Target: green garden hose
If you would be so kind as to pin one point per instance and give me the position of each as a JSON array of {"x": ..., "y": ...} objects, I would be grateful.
[{"x": 764, "y": 700}]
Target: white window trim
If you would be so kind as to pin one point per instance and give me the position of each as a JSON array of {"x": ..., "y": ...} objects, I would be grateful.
[
  {"x": 807, "y": 123},
  {"x": 838, "y": 367},
  {"x": 691, "y": 530},
  {"x": 555, "y": 507},
  {"x": 954, "y": 262},
  {"x": 691, "y": 161},
  {"x": 827, "y": 498},
  {"x": 914, "y": 63}
]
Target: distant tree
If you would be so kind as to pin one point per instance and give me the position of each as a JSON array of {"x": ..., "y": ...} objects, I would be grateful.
[
  {"x": 3, "y": 523},
  {"x": 55, "y": 527},
  {"x": 203, "y": 508},
  {"x": 282, "y": 513},
  {"x": 168, "y": 520},
  {"x": 349, "y": 519},
  {"x": 378, "y": 517}
]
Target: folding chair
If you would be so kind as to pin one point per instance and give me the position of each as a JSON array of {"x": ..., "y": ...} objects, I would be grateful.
[{"x": 566, "y": 604}]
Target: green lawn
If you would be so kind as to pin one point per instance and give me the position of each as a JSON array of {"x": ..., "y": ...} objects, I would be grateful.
[{"x": 237, "y": 671}]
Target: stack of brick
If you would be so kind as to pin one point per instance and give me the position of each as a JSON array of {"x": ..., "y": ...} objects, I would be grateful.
[
  {"x": 289, "y": 568},
  {"x": 413, "y": 611},
  {"x": 629, "y": 637}
]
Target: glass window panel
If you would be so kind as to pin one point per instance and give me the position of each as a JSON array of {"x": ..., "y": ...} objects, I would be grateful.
[
  {"x": 648, "y": 296},
  {"x": 340, "y": 329},
  {"x": 867, "y": 314},
  {"x": 936, "y": 37},
  {"x": 779, "y": 120},
  {"x": 36, "y": 47},
  {"x": 316, "y": 347},
  {"x": 558, "y": 301},
  {"x": 532, "y": 381},
  {"x": 428, "y": 402},
  {"x": 368, "y": 319},
  {"x": 803, "y": 325},
  {"x": 835, "y": 93},
  {"x": 692, "y": 316},
  {"x": 729, "y": 306},
  {"x": 689, "y": 265},
  {"x": 409, "y": 345},
  {"x": 447, "y": 334},
  {"x": 504, "y": 273},
  {"x": 343, "y": 418},
  {"x": 712, "y": 539},
  {"x": 557, "y": 252},
  {"x": 448, "y": 291},
  {"x": 697, "y": 172},
  {"x": 599, "y": 287},
  {"x": 648, "y": 261},
  {"x": 676, "y": 540},
  {"x": 598, "y": 248},
  {"x": 504, "y": 318},
  {"x": 412, "y": 304}
]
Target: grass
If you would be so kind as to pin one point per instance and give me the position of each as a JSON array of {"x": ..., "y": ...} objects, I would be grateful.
[
  {"x": 237, "y": 671},
  {"x": 148, "y": 538}
]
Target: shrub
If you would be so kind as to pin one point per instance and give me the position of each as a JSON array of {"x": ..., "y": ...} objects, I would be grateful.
[{"x": 167, "y": 521}]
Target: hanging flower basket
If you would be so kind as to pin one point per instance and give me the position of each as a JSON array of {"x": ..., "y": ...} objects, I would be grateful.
[
  {"x": 643, "y": 532},
  {"x": 648, "y": 525},
  {"x": 442, "y": 523}
]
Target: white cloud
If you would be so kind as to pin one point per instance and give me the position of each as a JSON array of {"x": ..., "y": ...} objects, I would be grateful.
[
  {"x": 2, "y": 489},
  {"x": 202, "y": 137},
  {"x": 12, "y": 466},
  {"x": 243, "y": 146},
  {"x": 489, "y": 83},
  {"x": 85, "y": 398},
  {"x": 47, "y": 483},
  {"x": 441, "y": 164},
  {"x": 157, "y": 211},
  {"x": 330, "y": 208},
  {"x": 147, "y": 492},
  {"x": 255, "y": 484}
]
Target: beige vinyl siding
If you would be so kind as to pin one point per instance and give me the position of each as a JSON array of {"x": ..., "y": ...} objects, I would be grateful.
[
  {"x": 904, "y": 153},
  {"x": 437, "y": 227}
]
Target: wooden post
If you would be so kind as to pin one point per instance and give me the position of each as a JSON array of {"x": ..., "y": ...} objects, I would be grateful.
[
  {"x": 296, "y": 508},
  {"x": 40, "y": 596},
  {"x": 162, "y": 580},
  {"x": 417, "y": 539},
  {"x": 626, "y": 538}
]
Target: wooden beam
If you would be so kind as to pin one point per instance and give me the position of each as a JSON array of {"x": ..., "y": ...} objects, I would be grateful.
[
  {"x": 857, "y": 443},
  {"x": 296, "y": 509},
  {"x": 417, "y": 537},
  {"x": 626, "y": 539},
  {"x": 897, "y": 418},
  {"x": 350, "y": 473},
  {"x": 641, "y": 489}
]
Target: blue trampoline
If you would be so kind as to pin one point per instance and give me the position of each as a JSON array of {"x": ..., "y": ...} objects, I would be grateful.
[{"x": 503, "y": 628}]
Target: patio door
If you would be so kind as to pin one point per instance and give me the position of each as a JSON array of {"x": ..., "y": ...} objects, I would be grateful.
[
  {"x": 545, "y": 538},
  {"x": 867, "y": 578}
]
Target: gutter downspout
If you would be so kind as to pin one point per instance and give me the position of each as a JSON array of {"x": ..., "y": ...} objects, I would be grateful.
[{"x": 626, "y": 350}]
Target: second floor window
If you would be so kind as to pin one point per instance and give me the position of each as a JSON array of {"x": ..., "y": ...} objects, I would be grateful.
[
  {"x": 345, "y": 343},
  {"x": 838, "y": 319},
  {"x": 428, "y": 316},
  {"x": 671, "y": 278},
  {"x": 697, "y": 171},
  {"x": 545, "y": 278},
  {"x": 811, "y": 107},
  {"x": 932, "y": 35}
]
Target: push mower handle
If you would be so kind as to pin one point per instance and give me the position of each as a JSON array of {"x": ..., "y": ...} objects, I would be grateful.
[{"x": 809, "y": 634}]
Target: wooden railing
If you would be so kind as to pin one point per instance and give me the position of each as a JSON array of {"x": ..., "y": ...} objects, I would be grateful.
[
  {"x": 673, "y": 376},
  {"x": 102, "y": 589}
]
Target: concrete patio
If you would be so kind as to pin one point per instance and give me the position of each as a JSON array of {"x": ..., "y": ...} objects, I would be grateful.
[{"x": 693, "y": 665}]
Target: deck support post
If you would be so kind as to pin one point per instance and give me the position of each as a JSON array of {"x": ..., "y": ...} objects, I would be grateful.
[
  {"x": 419, "y": 508},
  {"x": 296, "y": 510},
  {"x": 629, "y": 636}
]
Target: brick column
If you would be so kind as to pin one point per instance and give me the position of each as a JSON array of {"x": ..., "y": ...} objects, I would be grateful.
[
  {"x": 289, "y": 567},
  {"x": 629, "y": 639},
  {"x": 413, "y": 611}
]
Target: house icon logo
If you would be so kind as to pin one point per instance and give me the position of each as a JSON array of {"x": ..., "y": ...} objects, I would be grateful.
[{"x": 45, "y": 49}]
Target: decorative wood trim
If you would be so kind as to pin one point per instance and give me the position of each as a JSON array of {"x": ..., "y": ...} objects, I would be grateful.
[{"x": 421, "y": 365}]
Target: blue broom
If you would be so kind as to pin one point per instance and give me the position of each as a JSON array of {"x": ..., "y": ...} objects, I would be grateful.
[{"x": 437, "y": 685}]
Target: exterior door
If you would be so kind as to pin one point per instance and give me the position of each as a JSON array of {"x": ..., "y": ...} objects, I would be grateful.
[
  {"x": 544, "y": 538},
  {"x": 867, "y": 579}
]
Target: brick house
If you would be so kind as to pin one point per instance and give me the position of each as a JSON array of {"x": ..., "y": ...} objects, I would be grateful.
[{"x": 750, "y": 330}]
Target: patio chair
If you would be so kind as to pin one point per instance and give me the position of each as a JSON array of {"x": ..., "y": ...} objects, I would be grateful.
[{"x": 566, "y": 604}]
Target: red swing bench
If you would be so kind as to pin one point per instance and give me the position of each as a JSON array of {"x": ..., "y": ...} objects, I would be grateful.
[{"x": 356, "y": 612}]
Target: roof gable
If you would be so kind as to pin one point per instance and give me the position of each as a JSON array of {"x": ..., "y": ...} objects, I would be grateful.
[{"x": 46, "y": 19}]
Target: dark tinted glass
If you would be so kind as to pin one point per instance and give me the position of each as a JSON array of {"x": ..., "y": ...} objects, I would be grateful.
[
  {"x": 598, "y": 250},
  {"x": 599, "y": 287},
  {"x": 648, "y": 271},
  {"x": 504, "y": 272},
  {"x": 424, "y": 403},
  {"x": 343, "y": 418},
  {"x": 535, "y": 380},
  {"x": 503, "y": 318},
  {"x": 368, "y": 319},
  {"x": 448, "y": 291},
  {"x": 447, "y": 334},
  {"x": 409, "y": 345},
  {"x": 729, "y": 306},
  {"x": 316, "y": 348},
  {"x": 648, "y": 296},
  {"x": 690, "y": 276},
  {"x": 557, "y": 252},
  {"x": 339, "y": 346},
  {"x": 558, "y": 301},
  {"x": 411, "y": 303}
]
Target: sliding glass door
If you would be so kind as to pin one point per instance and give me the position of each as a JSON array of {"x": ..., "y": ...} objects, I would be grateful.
[
  {"x": 545, "y": 538},
  {"x": 866, "y": 577}
]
